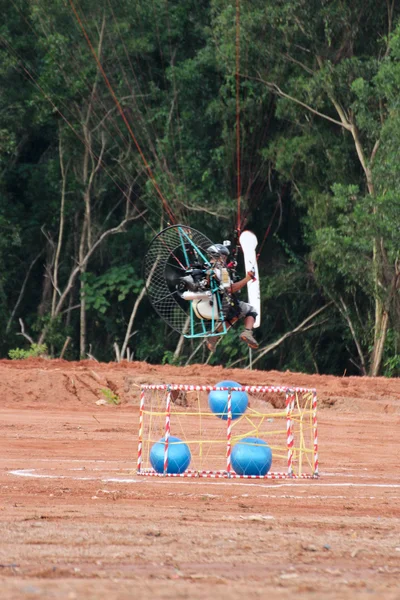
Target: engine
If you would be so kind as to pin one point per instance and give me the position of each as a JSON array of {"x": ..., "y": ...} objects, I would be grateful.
[{"x": 194, "y": 280}]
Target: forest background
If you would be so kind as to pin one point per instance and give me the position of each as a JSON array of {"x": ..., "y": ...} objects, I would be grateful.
[{"x": 115, "y": 116}]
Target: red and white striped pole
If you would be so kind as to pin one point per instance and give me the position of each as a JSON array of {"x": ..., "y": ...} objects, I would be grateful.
[
  {"x": 140, "y": 441},
  {"x": 167, "y": 429},
  {"x": 229, "y": 434},
  {"x": 314, "y": 408},
  {"x": 289, "y": 430}
]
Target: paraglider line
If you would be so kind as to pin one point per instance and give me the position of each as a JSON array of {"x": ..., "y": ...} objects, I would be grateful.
[{"x": 107, "y": 81}]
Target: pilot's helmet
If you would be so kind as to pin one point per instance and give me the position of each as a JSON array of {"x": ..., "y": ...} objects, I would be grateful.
[{"x": 218, "y": 252}]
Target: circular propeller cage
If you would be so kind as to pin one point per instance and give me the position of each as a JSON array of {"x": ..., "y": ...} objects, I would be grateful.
[{"x": 171, "y": 253}]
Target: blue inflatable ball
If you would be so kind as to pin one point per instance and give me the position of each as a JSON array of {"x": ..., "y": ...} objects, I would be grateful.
[
  {"x": 178, "y": 455},
  {"x": 251, "y": 456},
  {"x": 218, "y": 401}
]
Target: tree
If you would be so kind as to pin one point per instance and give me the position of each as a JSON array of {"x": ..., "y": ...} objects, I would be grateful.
[
  {"x": 329, "y": 66},
  {"x": 114, "y": 110}
]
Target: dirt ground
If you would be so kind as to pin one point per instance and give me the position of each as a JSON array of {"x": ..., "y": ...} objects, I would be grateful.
[{"x": 76, "y": 522}]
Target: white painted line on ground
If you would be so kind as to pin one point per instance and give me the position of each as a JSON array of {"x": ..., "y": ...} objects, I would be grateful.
[
  {"x": 74, "y": 460},
  {"x": 32, "y": 473},
  {"x": 132, "y": 463},
  {"x": 117, "y": 480},
  {"x": 346, "y": 468},
  {"x": 80, "y": 470},
  {"x": 318, "y": 497},
  {"x": 296, "y": 483},
  {"x": 203, "y": 481}
]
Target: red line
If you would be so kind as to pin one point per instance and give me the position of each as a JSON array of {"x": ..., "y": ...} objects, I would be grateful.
[
  {"x": 269, "y": 227},
  {"x": 30, "y": 76},
  {"x": 146, "y": 164},
  {"x": 238, "y": 173}
]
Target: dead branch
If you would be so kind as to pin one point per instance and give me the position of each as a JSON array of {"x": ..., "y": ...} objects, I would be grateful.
[
  {"x": 69, "y": 309},
  {"x": 277, "y": 90},
  {"x": 299, "y": 63},
  {"x": 311, "y": 326},
  {"x": 205, "y": 210},
  {"x": 195, "y": 351},
  {"x": 344, "y": 311},
  {"x": 179, "y": 345},
  {"x": 22, "y": 290},
  {"x": 64, "y": 171},
  {"x": 115, "y": 108},
  {"x": 71, "y": 280},
  {"x": 299, "y": 328},
  {"x": 373, "y": 153},
  {"x": 23, "y": 333},
  {"x": 90, "y": 355},
  {"x": 67, "y": 341},
  {"x": 134, "y": 311},
  {"x": 117, "y": 352}
]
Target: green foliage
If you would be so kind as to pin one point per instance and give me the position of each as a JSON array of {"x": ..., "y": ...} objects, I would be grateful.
[
  {"x": 56, "y": 331},
  {"x": 169, "y": 358},
  {"x": 114, "y": 285},
  {"x": 35, "y": 351},
  {"x": 306, "y": 69},
  {"x": 391, "y": 361},
  {"x": 110, "y": 396},
  {"x": 392, "y": 366}
]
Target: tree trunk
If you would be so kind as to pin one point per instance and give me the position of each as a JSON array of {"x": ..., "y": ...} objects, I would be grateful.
[
  {"x": 61, "y": 225},
  {"x": 82, "y": 320},
  {"x": 382, "y": 314},
  {"x": 344, "y": 311},
  {"x": 381, "y": 328},
  {"x": 46, "y": 292},
  {"x": 179, "y": 346},
  {"x": 131, "y": 320}
]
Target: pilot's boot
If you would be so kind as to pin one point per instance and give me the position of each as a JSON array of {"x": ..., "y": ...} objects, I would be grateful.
[{"x": 247, "y": 337}]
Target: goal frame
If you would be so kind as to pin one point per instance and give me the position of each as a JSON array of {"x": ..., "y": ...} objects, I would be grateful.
[{"x": 290, "y": 401}]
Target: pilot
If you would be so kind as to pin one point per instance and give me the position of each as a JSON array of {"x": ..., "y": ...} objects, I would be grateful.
[{"x": 236, "y": 309}]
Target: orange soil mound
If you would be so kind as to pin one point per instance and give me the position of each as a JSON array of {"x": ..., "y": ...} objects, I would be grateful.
[{"x": 76, "y": 522}]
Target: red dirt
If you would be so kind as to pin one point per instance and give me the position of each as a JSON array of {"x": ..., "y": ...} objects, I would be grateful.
[{"x": 77, "y": 523}]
